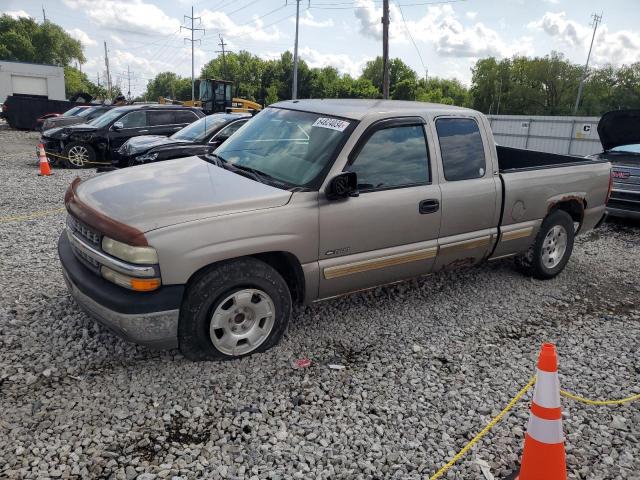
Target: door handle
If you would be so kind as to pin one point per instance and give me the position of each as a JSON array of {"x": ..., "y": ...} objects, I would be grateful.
[
  {"x": 143, "y": 131},
  {"x": 429, "y": 206},
  {"x": 178, "y": 128}
]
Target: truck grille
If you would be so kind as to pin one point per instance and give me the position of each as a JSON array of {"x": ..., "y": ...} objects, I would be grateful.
[{"x": 87, "y": 233}]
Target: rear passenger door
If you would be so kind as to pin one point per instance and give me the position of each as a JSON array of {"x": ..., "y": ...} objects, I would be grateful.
[
  {"x": 468, "y": 184},
  {"x": 389, "y": 232}
]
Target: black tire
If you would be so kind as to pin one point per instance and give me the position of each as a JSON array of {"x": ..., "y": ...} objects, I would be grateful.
[
  {"x": 532, "y": 262},
  {"x": 72, "y": 147},
  {"x": 211, "y": 287}
]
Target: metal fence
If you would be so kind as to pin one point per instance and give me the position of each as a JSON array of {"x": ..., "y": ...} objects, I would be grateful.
[{"x": 565, "y": 135}]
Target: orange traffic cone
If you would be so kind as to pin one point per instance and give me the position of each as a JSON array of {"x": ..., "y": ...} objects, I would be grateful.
[
  {"x": 543, "y": 457},
  {"x": 45, "y": 169}
]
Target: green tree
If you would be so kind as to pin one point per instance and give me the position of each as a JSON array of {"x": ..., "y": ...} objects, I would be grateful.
[
  {"x": 398, "y": 72},
  {"x": 76, "y": 81},
  {"x": 169, "y": 85},
  {"x": 24, "y": 40}
]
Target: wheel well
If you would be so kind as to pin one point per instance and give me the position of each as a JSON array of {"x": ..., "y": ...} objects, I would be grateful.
[
  {"x": 574, "y": 207},
  {"x": 287, "y": 265}
]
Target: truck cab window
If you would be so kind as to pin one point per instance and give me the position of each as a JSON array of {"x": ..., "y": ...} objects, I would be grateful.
[
  {"x": 393, "y": 157},
  {"x": 461, "y": 148}
]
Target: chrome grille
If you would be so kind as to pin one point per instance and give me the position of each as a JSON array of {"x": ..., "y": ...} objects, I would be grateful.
[{"x": 83, "y": 231}]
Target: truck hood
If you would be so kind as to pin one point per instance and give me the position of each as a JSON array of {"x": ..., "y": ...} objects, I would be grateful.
[
  {"x": 143, "y": 143},
  {"x": 157, "y": 195},
  {"x": 618, "y": 128}
]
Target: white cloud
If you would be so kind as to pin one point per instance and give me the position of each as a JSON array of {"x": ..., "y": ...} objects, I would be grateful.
[
  {"x": 618, "y": 47},
  {"x": 116, "y": 39},
  {"x": 17, "y": 14},
  {"x": 309, "y": 20},
  {"x": 471, "y": 15},
  {"x": 132, "y": 16},
  {"x": 81, "y": 35},
  {"x": 441, "y": 28},
  {"x": 552, "y": 2},
  {"x": 340, "y": 61},
  {"x": 221, "y": 23}
]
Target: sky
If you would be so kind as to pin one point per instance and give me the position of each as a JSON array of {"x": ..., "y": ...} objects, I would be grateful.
[{"x": 441, "y": 39}]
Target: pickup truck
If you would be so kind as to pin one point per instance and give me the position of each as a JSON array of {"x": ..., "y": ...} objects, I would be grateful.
[
  {"x": 310, "y": 200},
  {"x": 619, "y": 133}
]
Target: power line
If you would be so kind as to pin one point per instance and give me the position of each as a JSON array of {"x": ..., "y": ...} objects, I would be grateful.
[
  {"x": 596, "y": 21},
  {"x": 192, "y": 40},
  {"x": 412, "y": 40}
]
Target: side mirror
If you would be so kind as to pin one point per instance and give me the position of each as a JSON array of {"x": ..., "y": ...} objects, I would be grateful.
[
  {"x": 343, "y": 186},
  {"x": 118, "y": 125}
]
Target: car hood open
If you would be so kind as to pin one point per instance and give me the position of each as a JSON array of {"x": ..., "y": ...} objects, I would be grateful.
[
  {"x": 157, "y": 195},
  {"x": 618, "y": 128},
  {"x": 143, "y": 143}
]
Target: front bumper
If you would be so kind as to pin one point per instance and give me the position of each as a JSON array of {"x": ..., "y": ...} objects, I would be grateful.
[
  {"x": 149, "y": 318},
  {"x": 624, "y": 201}
]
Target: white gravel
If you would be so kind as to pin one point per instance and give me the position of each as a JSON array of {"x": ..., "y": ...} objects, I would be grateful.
[{"x": 426, "y": 365}]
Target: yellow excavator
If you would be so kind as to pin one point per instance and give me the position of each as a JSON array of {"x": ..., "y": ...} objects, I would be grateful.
[{"x": 215, "y": 96}]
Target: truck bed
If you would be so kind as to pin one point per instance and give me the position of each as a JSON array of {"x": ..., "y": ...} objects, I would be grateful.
[{"x": 512, "y": 159}]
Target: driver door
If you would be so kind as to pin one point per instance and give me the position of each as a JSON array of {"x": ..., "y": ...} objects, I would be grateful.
[
  {"x": 133, "y": 124},
  {"x": 390, "y": 231}
]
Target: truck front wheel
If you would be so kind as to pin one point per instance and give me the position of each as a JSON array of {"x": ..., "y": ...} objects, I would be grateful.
[
  {"x": 233, "y": 309},
  {"x": 551, "y": 249}
]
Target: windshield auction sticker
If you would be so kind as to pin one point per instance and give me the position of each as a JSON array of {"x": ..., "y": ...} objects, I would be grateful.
[{"x": 331, "y": 123}]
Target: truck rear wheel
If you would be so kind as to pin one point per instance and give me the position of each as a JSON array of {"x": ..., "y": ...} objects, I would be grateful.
[
  {"x": 234, "y": 309},
  {"x": 551, "y": 249}
]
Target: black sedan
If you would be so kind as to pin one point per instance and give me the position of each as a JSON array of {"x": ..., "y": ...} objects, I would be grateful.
[{"x": 199, "y": 138}]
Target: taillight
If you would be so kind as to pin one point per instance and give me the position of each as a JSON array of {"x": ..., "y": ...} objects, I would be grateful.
[{"x": 610, "y": 186}]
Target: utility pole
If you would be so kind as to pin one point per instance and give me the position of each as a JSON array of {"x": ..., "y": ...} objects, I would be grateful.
[
  {"x": 385, "y": 49},
  {"x": 44, "y": 15},
  {"x": 106, "y": 63},
  {"x": 192, "y": 40},
  {"x": 596, "y": 21},
  {"x": 294, "y": 90},
  {"x": 128, "y": 76},
  {"x": 224, "y": 60}
]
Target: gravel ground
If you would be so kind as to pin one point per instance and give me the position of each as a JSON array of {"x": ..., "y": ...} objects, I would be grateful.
[{"x": 427, "y": 364}]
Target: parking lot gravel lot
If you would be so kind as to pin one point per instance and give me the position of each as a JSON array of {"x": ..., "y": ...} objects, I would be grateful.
[{"x": 427, "y": 364}]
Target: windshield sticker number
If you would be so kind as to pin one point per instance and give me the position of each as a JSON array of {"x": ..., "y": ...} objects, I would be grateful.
[{"x": 331, "y": 123}]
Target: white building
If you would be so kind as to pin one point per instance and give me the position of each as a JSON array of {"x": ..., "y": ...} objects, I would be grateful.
[{"x": 31, "y": 79}]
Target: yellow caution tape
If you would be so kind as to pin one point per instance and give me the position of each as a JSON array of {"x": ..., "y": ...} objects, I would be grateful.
[
  {"x": 30, "y": 216},
  {"x": 485, "y": 430},
  {"x": 49, "y": 154},
  {"x": 632, "y": 398},
  {"x": 511, "y": 404}
]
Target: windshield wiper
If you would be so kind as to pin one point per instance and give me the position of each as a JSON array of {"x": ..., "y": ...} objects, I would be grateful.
[{"x": 250, "y": 172}]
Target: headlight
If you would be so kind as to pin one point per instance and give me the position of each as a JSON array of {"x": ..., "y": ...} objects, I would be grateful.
[
  {"x": 147, "y": 157},
  {"x": 132, "y": 283},
  {"x": 140, "y": 255}
]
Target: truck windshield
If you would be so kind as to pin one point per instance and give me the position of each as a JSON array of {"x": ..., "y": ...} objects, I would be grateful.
[
  {"x": 200, "y": 129},
  {"x": 290, "y": 146}
]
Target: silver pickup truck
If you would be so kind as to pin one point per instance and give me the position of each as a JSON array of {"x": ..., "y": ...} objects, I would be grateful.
[{"x": 309, "y": 200}]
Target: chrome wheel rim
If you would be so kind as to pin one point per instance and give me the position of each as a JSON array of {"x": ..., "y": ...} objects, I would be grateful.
[
  {"x": 78, "y": 155},
  {"x": 242, "y": 322},
  {"x": 554, "y": 246}
]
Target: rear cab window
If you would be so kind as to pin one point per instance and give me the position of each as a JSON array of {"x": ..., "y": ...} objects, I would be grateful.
[{"x": 461, "y": 149}]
